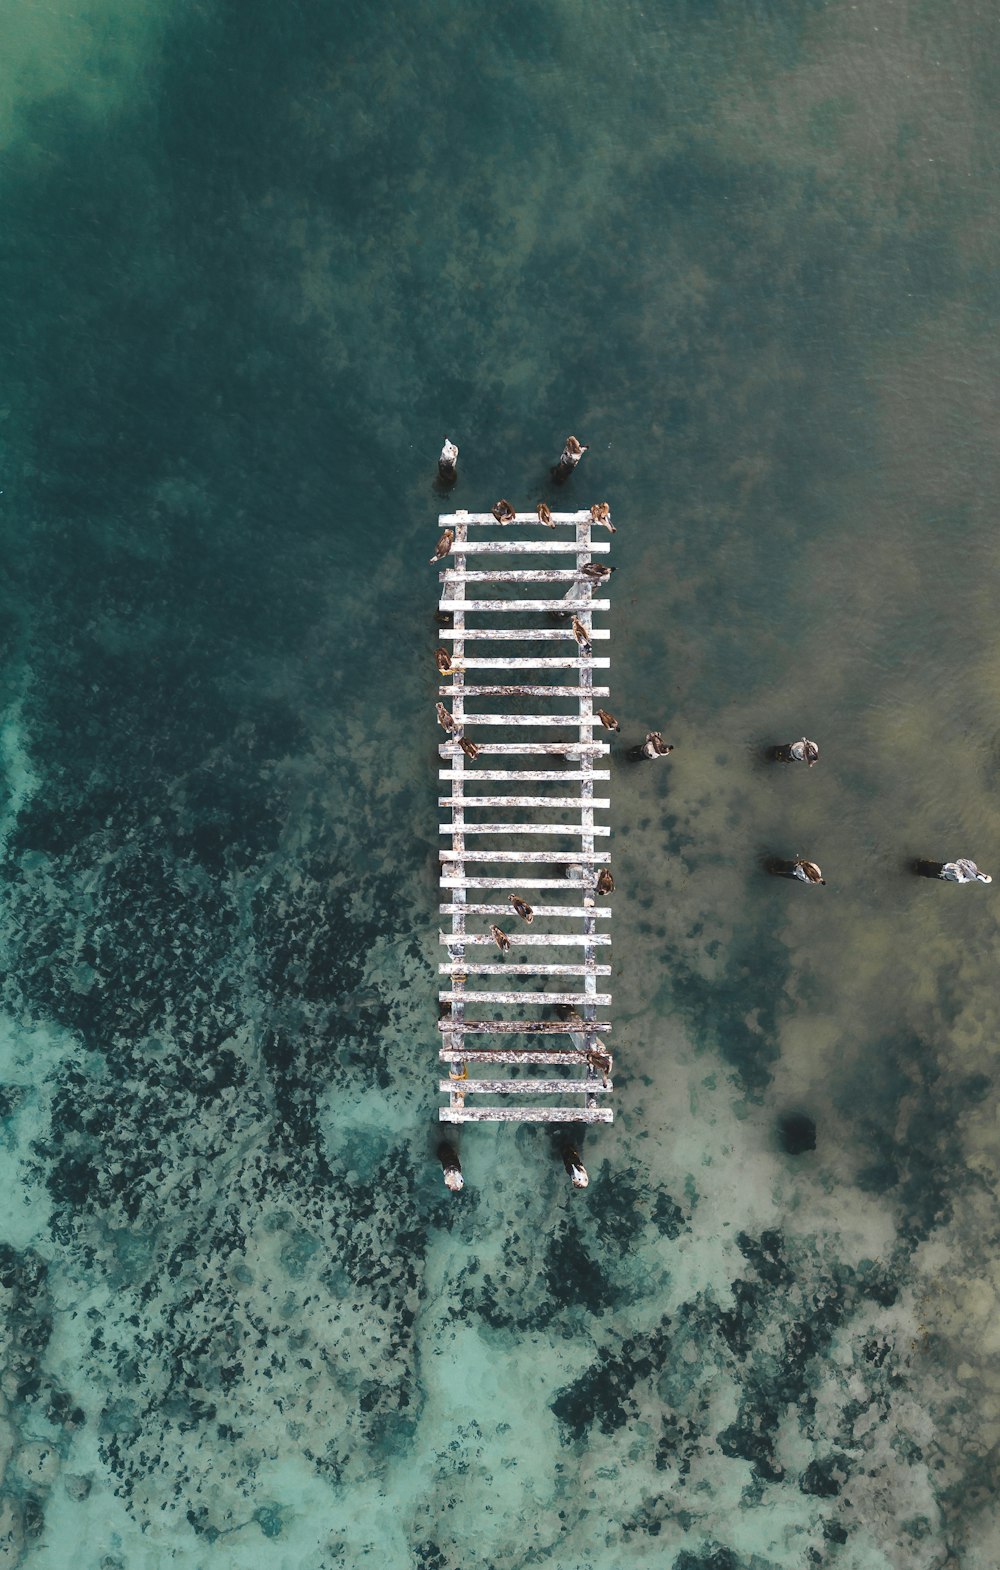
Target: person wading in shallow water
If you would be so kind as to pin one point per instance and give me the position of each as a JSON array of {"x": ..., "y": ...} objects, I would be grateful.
[{"x": 575, "y": 1167}]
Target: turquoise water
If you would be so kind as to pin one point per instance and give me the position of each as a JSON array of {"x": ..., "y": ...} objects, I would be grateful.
[{"x": 255, "y": 263}]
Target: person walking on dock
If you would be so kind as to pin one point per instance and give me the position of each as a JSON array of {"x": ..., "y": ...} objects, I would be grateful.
[{"x": 571, "y": 455}]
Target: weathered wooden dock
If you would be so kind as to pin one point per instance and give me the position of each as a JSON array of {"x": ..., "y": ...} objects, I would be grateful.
[{"x": 552, "y": 797}]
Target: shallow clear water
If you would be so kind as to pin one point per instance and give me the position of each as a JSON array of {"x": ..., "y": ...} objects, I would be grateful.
[{"x": 255, "y": 263}]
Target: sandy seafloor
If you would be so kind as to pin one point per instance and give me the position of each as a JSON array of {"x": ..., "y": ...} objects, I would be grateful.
[{"x": 255, "y": 262}]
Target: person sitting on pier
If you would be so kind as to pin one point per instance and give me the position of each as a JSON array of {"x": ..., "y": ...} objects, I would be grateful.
[
  {"x": 469, "y": 748},
  {"x": 571, "y": 455},
  {"x": 445, "y": 720},
  {"x": 600, "y": 514},
  {"x": 545, "y": 516},
  {"x": 500, "y": 938},
  {"x": 444, "y": 663},
  {"x": 443, "y": 545},
  {"x": 581, "y": 634},
  {"x": 503, "y": 512},
  {"x": 448, "y": 461},
  {"x": 452, "y": 1167},
  {"x": 802, "y": 751},
  {"x": 605, "y": 882},
  {"x": 963, "y": 871},
  {"x": 575, "y": 1167},
  {"x": 521, "y": 908},
  {"x": 607, "y": 720},
  {"x": 653, "y": 747},
  {"x": 596, "y": 571}
]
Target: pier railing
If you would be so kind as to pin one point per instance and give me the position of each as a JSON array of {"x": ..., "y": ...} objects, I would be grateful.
[{"x": 530, "y": 993}]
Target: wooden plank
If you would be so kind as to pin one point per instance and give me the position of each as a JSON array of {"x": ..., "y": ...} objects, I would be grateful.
[
  {"x": 550, "y": 545},
  {"x": 451, "y": 575},
  {"x": 521, "y": 721},
  {"x": 495, "y": 749},
  {"x": 515, "y": 1055},
  {"x": 602, "y": 998},
  {"x": 529, "y": 776},
  {"x": 525, "y": 855},
  {"x": 519, "y": 801},
  {"x": 520, "y": 939},
  {"x": 528, "y": 828},
  {"x": 475, "y": 967},
  {"x": 522, "y": 662},
  {"x": 459, "y": 881},
  {"x": 519, "y": 1027},
  {"x": 524, "y": 690},
  {"x": 507, "y": 607},
  {"x": 522, "y": 634},
  {"x": 525, "y": 1115},
  {"x": 581, "y": 515},
  {"x": 603, "y": 911},
  {"x": 526, "y": 1087}
]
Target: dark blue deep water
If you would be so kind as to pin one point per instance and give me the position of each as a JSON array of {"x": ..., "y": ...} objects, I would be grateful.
[{"x": 255, "y": 262}]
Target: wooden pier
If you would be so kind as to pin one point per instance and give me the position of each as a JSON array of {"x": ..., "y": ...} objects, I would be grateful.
[{"x": 554, "y": 998}]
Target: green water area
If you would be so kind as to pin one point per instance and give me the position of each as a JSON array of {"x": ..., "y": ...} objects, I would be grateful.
[{"x": 256, "y": 261}]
